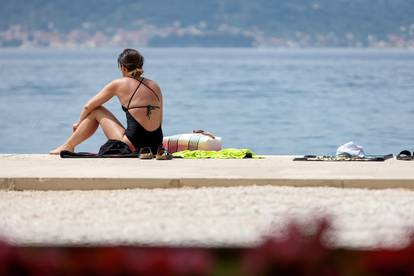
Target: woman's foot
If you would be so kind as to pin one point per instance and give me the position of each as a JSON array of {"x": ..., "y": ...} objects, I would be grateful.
[{"x": 63, "y": 147}]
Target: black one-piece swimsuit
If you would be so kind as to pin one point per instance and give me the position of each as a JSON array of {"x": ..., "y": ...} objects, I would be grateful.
[{"x": 136, "y": 133}]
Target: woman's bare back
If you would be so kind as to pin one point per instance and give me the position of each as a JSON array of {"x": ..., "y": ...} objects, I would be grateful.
[{"x": 148, "y": 93}]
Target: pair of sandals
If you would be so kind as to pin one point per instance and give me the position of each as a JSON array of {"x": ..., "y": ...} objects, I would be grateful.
[
  {"x": 405, "y": 155},
  {"x": 162, "y": 154}
]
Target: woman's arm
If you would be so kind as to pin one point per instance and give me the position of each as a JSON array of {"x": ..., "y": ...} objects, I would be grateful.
[{"x": 99, "y": 99}]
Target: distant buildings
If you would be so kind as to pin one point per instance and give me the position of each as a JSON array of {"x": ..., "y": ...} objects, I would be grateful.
[{"x": 193, "y": 35}]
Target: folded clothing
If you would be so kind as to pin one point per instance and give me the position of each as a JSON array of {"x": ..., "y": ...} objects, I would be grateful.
[
  {"x": 375, "y": 158},
  {"x": 114, "y": 147},
  {"x": 229, "y": 153},
  {"x": 69, "y": 154},
  {"x": 111, "y": 149}
]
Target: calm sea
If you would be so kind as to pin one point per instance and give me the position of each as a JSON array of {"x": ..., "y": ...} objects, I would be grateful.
[{"x": 269, "y": 100}]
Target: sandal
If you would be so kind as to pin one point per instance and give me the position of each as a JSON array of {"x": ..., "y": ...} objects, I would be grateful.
[
  {"x": 405, "y": 155},
  {"x": 163, "y": 154},
  {"x": 145, "y": 153}
]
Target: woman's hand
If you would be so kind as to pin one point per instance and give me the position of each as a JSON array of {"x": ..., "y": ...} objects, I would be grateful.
[{"x": 75, "y": 126}]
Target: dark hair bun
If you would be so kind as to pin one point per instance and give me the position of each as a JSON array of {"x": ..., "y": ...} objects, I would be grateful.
[{"x": 131, "y": 59}]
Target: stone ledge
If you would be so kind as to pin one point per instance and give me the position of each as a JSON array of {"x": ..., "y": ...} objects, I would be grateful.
[{"x": 45, "y": 172}]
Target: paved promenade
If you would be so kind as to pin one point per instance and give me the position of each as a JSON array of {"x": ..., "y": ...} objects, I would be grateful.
[
  {"x": 201, "y": 202},
  {"x": 45, "y": 172}
]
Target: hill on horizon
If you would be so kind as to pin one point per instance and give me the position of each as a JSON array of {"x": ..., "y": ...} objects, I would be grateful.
[{"x": 208, "y": 23}]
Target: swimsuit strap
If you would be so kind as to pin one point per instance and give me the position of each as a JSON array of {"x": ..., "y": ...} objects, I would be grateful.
[
  {"x": 153, "y": 92},
  {"x": 130, "y": 99},
  {"x": 149, "y": 108}
]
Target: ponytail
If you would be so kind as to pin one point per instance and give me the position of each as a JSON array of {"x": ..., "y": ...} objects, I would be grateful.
[{"x": 136, "y": 73}]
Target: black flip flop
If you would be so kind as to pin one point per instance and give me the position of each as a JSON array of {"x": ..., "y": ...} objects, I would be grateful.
[{"x": 405, "y": 155}]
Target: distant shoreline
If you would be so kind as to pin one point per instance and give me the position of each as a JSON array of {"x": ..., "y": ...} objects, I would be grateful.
[{"x": 215, "y": 47}]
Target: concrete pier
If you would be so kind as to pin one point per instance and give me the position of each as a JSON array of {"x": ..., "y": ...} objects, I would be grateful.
[{"x": 45, "y": 172}]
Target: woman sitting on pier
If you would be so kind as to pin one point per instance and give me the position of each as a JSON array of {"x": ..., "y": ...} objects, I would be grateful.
[{"x": 140, "y": 98}]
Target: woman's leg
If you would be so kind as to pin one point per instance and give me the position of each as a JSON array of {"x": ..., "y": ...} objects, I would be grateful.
[{"x": 98, "y": 117}]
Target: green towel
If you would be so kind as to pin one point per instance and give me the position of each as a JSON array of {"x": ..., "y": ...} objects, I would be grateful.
[{"x": 221, "y": 154}]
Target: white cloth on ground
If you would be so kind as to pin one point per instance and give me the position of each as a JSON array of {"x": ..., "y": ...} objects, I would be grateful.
[{"x": 352, "y": 149}]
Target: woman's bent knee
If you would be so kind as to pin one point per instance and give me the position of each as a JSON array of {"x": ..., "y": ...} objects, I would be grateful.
[{"x": 99, "y": 111}]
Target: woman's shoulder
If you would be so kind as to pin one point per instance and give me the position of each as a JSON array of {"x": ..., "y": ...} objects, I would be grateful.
[
  {"x": 124, "y": 80},
  {"x": 152, "y": 84},
  {"x": 116, "y": 83},
  {"x": 121, "y": 83},
  {"x": 127, "y": 82}
]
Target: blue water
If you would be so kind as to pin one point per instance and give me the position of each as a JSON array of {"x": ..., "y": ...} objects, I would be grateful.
[{"x": 270, "y": 100}]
